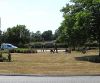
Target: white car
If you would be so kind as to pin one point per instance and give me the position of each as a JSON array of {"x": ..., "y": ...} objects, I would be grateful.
[{"x": 8, "y": 46}]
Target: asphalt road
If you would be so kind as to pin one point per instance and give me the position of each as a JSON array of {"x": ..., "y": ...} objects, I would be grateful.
[{"x": 45, "y": 79}]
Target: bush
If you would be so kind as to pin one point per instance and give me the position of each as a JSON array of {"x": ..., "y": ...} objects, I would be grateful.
[{"x": 23, "y": 51}]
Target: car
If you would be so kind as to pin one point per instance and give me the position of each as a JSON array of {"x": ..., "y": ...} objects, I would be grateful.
[{"x": 7, "y": 46}]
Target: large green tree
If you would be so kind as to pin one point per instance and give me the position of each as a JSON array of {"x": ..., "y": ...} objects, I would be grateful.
[
  {"x": 73, "y": 27},
  {"x": 17, "y": 35},
  {"x": 95, "y": 23},
  {"x": 81, "y": 22}
]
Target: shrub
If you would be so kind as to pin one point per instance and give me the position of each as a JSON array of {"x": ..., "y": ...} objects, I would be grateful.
[{"x": 23, "y": 51}]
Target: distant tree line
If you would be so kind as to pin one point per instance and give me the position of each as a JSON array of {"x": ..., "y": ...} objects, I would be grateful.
[{"x": 20, "y": 35}]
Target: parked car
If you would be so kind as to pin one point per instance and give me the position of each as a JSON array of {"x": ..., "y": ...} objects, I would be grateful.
[{"x": 7, "y": 46}]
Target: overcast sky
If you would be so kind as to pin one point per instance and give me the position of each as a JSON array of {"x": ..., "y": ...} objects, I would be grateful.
[{"x": 35, "y": 14}]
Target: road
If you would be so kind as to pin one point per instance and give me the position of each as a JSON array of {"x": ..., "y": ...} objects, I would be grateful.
[{"x": 45, "y": 79}]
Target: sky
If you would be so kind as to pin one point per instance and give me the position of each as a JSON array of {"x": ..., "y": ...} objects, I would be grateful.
[{"x": 37, "y": 15}]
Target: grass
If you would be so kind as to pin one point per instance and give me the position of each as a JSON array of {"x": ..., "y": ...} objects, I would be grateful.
[{"x": 51, "y": 64}]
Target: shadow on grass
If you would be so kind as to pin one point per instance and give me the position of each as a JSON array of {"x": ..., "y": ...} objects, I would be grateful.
[{"x": 91, "y": 58}]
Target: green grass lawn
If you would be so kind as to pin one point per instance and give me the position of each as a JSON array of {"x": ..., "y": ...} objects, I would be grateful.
[{"x": 51, "y": 64}]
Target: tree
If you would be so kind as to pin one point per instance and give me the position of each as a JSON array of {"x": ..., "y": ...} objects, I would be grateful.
[
  {"x": 78, "y": 18},
  {"x": 0, "y": 36},
  {"x": 47, "y": 35},
  {"x": 56, "y": 34},
  {"x": 3, "y": 37},
  {"x": 17, "y": 35},
  {"x": 95, "y": 23},
  {"x": 73, "y": 27},
  {"x": 93, "y": 7},
  {"x": 37, "y": 36},
  {"x": 32, "y": 36}
]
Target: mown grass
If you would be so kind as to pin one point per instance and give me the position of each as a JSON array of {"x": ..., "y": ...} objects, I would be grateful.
[{"x": 50, "y": 64}]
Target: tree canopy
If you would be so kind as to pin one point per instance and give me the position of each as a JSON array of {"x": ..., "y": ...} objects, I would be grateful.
[
  {"x": 81, "y": 22},
  {"x": 47, "y": 35},
  {"x": 17, "y": 35}
]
